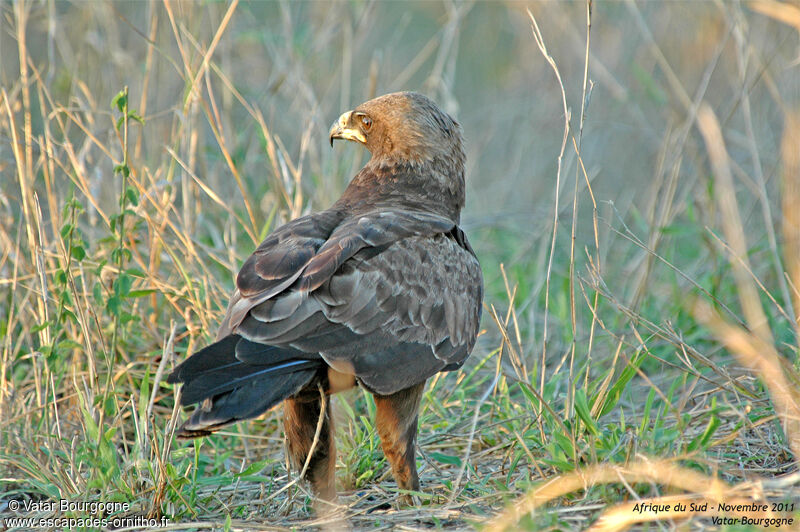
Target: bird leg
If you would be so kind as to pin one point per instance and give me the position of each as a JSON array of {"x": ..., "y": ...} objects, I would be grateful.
[
  {"x": 301, "y": 416},
  {"x": 396, "y": 421}
]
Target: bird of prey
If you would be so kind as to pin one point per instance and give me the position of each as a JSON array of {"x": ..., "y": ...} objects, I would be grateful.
[{"x": 382, "y": 289}]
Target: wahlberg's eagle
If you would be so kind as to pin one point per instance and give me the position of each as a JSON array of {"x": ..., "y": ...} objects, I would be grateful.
[{"x": 382, "y": 289}]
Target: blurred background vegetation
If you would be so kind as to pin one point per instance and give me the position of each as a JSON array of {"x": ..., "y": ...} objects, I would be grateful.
[{"x": 145, "y": 148}]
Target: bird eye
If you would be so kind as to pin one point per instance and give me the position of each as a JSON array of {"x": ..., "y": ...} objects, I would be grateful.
[{"x": 366, "y": 122}]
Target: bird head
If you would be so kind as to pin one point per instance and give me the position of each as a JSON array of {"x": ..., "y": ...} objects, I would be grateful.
[{"x": 402, "y": 127}]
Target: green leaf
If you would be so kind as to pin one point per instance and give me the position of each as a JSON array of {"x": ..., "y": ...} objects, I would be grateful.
[
  {"x": 252, "y": 469},
  {"x": 66, "y": 229},
  {"x": 91, "y": 428},
  {"x": 648, "y": 405},
  {"x": 99, "y": 270},
  {"x": 528, "y": 393},
  {"x": 127, "y": 317},
  {"x": 78, "y": 253},
  {"x": 122, "y": 169},
  {"x": 615, "y": 392},
  {"x": 110, "y": 406},
  {"x": 40, "y": 326},
  {"x": 135, "y": 272},
  {"x": 140, "y": 293},
  {"x": 68, "y": 344},
  {"x": 131, "y": 196},
  {"x": 112, "y": 305},
  {"x": 445, "y": 458},
  {"x": 582, "y": 409},
  {"x": 122, "y": 285},
  {"x": 73, "y": 203},
  {"x": 117, "y": 254},
  {"x": 97, "y": 293},
  {"x": 69, "y": 315},
  {"x": 564, "y": 443},
  {"x": 133, "y": 115},
  {"x": 120, "y": 101},
  {"x": 65, "y": 297},
  {"x": 704, "y": 439}
]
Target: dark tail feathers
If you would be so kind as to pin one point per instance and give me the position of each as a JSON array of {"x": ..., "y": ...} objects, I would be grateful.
[{"x": 230, "y": 390}]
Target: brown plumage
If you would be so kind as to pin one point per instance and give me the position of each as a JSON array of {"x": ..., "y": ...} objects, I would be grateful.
[{"x": 382, "y": 290}]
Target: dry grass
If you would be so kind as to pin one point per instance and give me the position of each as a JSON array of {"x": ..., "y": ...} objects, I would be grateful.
[{"x": 633, "y": 181}]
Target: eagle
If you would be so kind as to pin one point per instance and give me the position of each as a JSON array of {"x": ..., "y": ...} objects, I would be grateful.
[{"x": 381, "y": 290}]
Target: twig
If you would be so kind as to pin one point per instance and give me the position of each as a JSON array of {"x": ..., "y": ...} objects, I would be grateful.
[{"x": 537, "y": 35}]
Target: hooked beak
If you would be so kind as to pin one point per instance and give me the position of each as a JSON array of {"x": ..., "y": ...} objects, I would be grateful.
[{"x": 343, "y": 128}]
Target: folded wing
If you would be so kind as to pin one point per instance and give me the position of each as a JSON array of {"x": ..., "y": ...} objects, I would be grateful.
[{"x": 391, "y": 297}]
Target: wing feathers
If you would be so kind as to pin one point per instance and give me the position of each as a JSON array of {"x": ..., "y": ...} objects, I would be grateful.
[
  {"x": 273, "y": 333},
  {"x": 230, "y": 378},
  {"x": 250, "y": 400},
  {"x": 282, "y": 256},
  {"x": 283, "y": 306},
  {"x": 218, "y": 354},
  {"x": 394, "y": 295},
  {"x": 231, "y": 362}
]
